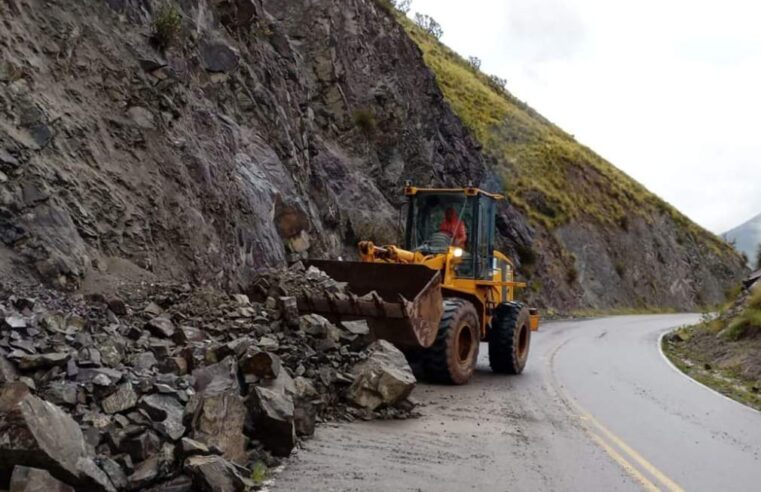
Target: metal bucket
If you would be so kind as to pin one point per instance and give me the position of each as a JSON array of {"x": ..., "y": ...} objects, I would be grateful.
[{"x": 401, "y": 303}]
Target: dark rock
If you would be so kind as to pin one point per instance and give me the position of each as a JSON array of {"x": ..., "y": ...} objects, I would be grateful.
[
  {"x": 124, "y": 398},
  {"x": 185, "y": 334},
  {"x": 8, "y": 372},
  {"x": 219, "y": 418},
  {"x": 161, "y": 327},
  {"x": 272, "y": 412},
  {"x": 140, "y": 447},
  {"x": 384, "y": 378},
  {"x": 218, "y": 56},
  {"x": 25, "y": 479},
  {"x": 215, "y": 474},
  {"x": 118, "y": 307},
  {"x": 153, "y": 309},
  {"x": 61, "y": 393},
  {"x": 304, "y": 418},
  {"x": 146, "y": 472},
  {"x": 174, "y": 365},
  {"x": 256, "y": 365},
  {"x": 114, "y": 471},
  {"x": 182, "y": 483}
]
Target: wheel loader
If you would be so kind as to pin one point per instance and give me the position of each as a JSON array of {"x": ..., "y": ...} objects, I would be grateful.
[{"x": 440, "y": 295}]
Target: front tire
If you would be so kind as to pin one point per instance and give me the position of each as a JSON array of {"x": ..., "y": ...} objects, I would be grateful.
[
  {"x": 509, "y": 338},
  {"x": 452, "y": 357}
]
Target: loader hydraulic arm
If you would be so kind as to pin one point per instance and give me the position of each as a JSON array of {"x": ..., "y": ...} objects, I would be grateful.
[{"x": 369, "y": 252}]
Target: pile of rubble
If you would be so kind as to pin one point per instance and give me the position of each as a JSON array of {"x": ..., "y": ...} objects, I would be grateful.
[{"x": 170, "y": 388}]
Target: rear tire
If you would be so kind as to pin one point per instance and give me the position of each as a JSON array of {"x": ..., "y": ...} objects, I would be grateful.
[
  {"x": 452, "y": 357},
  {"x": 509, "y": 338}
]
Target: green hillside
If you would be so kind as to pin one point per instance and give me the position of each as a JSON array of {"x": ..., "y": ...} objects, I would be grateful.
[{"x": 547, "y": 173}]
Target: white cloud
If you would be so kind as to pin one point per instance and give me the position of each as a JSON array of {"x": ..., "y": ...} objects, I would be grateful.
[{"x": 670, "y": 92}]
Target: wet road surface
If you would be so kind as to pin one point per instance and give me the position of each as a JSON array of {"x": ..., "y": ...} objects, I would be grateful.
[{"x": 597, "y": 408}]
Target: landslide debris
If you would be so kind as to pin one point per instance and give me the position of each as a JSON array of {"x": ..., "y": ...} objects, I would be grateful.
[{"x": 168, "y": 385}]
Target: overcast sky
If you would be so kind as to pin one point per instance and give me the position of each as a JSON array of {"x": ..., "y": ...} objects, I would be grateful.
[{"x": 667, "y": 90}]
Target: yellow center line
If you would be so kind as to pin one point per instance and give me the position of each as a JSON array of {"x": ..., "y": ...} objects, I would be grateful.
[
  {"x": 628, "y": 467},
  {"x": 591, "y": 424}
]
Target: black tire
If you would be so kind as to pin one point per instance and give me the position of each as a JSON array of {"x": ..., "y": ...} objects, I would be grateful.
[
  {"x": 452, "y": 357},
  {"x": 509, "y": 338}
]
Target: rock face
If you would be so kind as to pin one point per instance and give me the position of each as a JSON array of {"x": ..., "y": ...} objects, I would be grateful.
[
  {"x": 252, "y": 140},
  {"x": 385, "y": 378},
  {"x": 26, "y": 479}
]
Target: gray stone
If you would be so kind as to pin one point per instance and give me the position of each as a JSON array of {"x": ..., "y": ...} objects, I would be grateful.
[
  {"x": 123, "y": 399},
  {"x": 142, "y": 118},
  {"x": 141, "y": 446},
  {"x": 218, "y": 56},
  {"x": 384, "y": 378},
  {"x": 272, "y": 412},
  {"x": 153, "y": 309},
  {"x": 227, "y": 370},
  {"x": 218, "y": 420},
  {"x": 117, "y": 306},
  {"x": 25, "y": 479},
  {"x": 15, "y": 322},
  {"x": 214, "y": 473},
  {"x": 62, "y": 393}
]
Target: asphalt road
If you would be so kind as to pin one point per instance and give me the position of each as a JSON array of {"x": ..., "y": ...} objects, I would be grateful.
[{"x": 598, "y": 408}]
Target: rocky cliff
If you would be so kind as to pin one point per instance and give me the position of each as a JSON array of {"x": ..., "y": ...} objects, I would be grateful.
[{"x": 260, "y": 131}]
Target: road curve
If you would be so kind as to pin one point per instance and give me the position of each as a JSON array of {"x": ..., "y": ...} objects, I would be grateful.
[{"x": 598, "y": 408}]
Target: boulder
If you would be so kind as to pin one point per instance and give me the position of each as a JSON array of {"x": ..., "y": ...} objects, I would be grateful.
[
  {"x": 218, "y": 56},
  {"x": 273, "y": 415},
  {"x": 146, "y": 472},
  {"x": 25, "y": 479},
  {"x": 383, "y": 379},
  {"x": 39, "y": 434},
  {"x": 167, "y": 412},
  {"x": 218, "y": 420},
  {"x": 215, "y": 474}
]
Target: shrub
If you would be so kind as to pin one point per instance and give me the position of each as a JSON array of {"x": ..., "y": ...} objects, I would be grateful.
[
  {"x": 167, "y": 23},
  {"x": 475, "y": 62},
  {"x": 364, "y": 119},
  {"x": 429, "y": 25},
  {"x": 572, "y": 275},
  {"x": 526, "y": 254}
]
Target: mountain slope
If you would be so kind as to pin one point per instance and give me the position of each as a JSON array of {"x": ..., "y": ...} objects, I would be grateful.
[
  {"x": 601, "y": 239},
  {"x": 269, "y": 131},
  {"x": 747, "y": 238}
]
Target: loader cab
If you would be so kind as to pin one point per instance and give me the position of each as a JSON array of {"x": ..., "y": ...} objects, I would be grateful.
[{"x": 437, "y": 219}]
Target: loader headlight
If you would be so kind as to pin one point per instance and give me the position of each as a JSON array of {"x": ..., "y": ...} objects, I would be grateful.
[{"x": 458, "y": 252}]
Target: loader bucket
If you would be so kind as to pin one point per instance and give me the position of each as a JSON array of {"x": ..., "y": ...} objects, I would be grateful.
[{"x": 401, "y": 303}]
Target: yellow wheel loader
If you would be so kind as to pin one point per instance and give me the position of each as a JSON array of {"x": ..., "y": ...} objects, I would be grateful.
[{"x": 442, "y": 294}]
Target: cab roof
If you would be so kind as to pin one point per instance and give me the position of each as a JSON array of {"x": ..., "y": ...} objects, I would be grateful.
[{"x": 410, "y": 190}]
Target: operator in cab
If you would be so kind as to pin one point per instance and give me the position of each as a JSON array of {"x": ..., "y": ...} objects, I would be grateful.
[{"x": 454, "y": 227}]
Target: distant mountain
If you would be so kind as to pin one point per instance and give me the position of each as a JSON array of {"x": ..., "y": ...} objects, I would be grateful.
[{"x": 747, "y": 237}]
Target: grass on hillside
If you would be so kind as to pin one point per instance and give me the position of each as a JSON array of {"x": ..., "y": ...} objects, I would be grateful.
[
  {"x": 694, "y": 363},
  {"x": 549, "y": 175}
]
